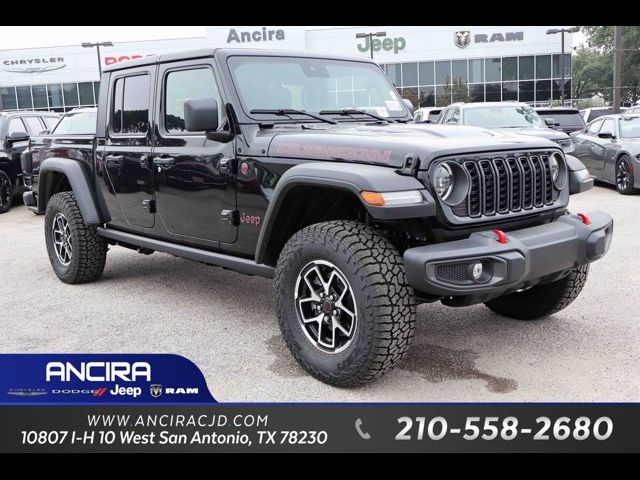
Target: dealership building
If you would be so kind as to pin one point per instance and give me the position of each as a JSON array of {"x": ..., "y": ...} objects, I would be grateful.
[{"x": 428, "y": 65}]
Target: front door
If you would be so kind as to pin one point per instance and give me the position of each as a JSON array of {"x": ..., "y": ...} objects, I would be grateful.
[
  {"x": 586, "y": 146},
  {"x": 127, "y": 153},
  {"x": 602, "y": 145},
  {"x": 195, "y": 187}
]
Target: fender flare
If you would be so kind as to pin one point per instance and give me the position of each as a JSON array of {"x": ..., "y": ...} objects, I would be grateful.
[
  {"x": 579, "y": 178},
  {"x": 80, "y": 184},
  {"x": 350, "y": 177}
]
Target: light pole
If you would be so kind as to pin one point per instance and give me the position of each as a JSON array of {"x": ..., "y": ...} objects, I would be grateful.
[
  {"x": 98, "y": 45},
  {"x": 370, "y": 37},
  {"x": 562, "y": 31}
]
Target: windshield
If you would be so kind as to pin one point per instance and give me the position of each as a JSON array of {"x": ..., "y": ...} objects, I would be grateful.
[
  {"x": 77, "y": 124},
  {"x": 313, "y": 85},
  {"x": 630, "y": 127},
  {"x": 502, "y": 117}
]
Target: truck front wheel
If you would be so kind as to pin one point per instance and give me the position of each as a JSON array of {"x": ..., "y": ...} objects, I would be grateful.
[
  {"x": 6, "y": 192},
  {"x": 76, "y": 251},
  {"x": 344, "y": 306},
  {"x": 542, "y": 300}
]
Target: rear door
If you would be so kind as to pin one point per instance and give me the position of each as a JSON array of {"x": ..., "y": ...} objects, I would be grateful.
[
  {"x": 195, "y": 184},
  {"x": 128, "y": 143}
]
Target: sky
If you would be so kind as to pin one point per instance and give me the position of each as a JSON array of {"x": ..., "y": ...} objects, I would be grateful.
[{"x": 52, "y": 36}]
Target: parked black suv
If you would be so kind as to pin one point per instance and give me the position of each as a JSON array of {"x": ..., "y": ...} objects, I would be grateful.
[
  {"x": 303, "y": 167},
  {"x": 15, "y": 129},
  {"x": 565, "y": 119}
]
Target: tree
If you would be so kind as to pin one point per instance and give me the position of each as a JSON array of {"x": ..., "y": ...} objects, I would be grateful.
[
  {"x": 600, "y": 39},
  {"x": 458, "y": 91},
  {"x": 592, "y": 73}
]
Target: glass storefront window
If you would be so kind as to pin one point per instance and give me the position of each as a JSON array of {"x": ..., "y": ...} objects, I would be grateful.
[
  {"x": 86, "y": 94},
  {"x": 55, "y": 95},
  {"x": 70, "y": 91},
  {"x": 510, "y": 91},
  {"x": 476, "y": 71},
  {"x": 494, "y": 91},
  {"x": 556, "y": 66},
  {"x": 393, "y": 72},
  {"x": 24, "y": 98},
  {"x": 543, "y": 90},
  {"x": 410, "y": 74},
  {"x": 426, "y": 73},
  {"x": 509, "y": 68},
  {"x": 527, "y": 93},
  {"x": 459, "y": 70},
  {"x": 476, "y": 92},
  {"x": 442, "y": 98},
  {"x": 556, "y": 89},
  {"x": 443, "y": 72},
  {"x": 427, "y": 96},
  {"x": 493, "y": 70},
  {"x": 543, "y": 66},
  {"x": 526, "y": 68},
  {"x": 8, "y": 96},
  {"x": 411, "y": 94},
  {"x": 39, "y": 96},
  {"x": 96, "y": 90}
]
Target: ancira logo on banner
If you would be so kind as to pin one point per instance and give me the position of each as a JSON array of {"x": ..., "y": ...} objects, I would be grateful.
[
  {"x": 98, "y": 371},
  {"x": 33, "y": 65},
  {"x": 261, "y": 35}
]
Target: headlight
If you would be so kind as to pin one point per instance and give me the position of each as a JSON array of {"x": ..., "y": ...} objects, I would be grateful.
[
  {"x": 554, "y": 167},
  {"x": 566, "y": 144},
  {"x": 443, "y": 180}
]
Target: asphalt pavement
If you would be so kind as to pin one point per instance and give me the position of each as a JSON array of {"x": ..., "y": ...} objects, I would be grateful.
[{"x": 225, "y": 323}]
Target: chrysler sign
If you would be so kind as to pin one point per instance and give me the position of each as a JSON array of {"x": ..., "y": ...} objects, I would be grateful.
[{"x": 33, "y": 65}]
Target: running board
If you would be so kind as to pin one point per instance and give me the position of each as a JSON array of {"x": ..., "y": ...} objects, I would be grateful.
[{"x": 242, "y": 265}]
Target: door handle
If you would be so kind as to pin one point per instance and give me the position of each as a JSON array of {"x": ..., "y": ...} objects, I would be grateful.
[
  {"x": 117, "y": 159},
  {"x": 164, "y": 162}
]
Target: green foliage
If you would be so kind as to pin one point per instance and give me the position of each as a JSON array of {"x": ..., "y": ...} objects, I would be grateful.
[
  {"x": 458, "y": 91},
  {"x": 598, "y": 64},
  {"x": 589, "y": 103}
]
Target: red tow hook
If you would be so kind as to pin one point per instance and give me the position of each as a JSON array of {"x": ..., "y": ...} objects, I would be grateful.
[
  {"x": 584, "y": 218},
  {"x": 502, "y": 238}
]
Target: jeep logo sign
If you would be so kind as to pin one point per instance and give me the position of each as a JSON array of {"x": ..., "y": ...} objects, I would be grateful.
[
  {"x": 462, "y": 39},
  {"x": 388, "y": 44}
]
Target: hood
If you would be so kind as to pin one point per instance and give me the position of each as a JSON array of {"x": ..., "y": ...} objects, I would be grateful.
[
  {"x": 540, "y": 132},
  {"x": 389, "y": 145}
]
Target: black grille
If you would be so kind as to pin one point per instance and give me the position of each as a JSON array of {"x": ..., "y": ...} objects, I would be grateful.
[
  {"x": 457, "y": 272},
  {"x": 507, "y": 184}
]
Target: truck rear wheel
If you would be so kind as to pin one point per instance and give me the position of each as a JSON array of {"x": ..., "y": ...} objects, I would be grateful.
[
  {"x": 6, "y": 192},
  {"x": 76, "y": 252},
  {"x": 344, "y": 306},
  {"x": 542, "y": 300}
]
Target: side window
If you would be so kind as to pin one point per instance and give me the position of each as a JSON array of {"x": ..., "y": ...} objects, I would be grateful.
[
  {"x": 16, "y": 125},
  {"x": 609, "y": 126},
  {"x": 418, "y": 117},
  {"x": 34, "y": 124},
  {"x": 594, "y": 127},
  {"x": 455, "y": 116},
  {"x": 444, "y": 116},
  {"x": 50, "y": 122},
  {"x": 181, "y": 85},
  {"x": 130, "y": 108}
]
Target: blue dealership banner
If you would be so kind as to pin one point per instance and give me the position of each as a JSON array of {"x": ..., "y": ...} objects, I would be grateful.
[{"x": 101, "y": 379}]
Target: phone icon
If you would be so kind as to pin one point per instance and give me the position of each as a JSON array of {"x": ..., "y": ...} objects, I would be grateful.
[{"x": 360, "y": 431}]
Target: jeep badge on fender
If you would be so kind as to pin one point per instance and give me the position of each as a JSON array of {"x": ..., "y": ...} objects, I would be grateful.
[{"x": 353, "y": 240}]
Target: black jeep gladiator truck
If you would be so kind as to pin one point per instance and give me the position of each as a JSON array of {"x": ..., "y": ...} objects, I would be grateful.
[{"x": 303, "y": 168}]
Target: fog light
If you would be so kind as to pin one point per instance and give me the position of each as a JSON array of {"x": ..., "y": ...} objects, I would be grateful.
[{"x": 476, "y": 271}]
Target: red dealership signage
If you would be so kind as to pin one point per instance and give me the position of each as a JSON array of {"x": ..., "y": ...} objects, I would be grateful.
[{"x": 113, "y": 59}]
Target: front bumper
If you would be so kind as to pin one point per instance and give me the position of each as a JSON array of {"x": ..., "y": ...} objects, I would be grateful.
[{"x": 529, "y": 256}]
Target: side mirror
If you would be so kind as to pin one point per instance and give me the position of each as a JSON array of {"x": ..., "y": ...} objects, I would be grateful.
[
  {"x": 550, "y": 122},
  {"x": 606, "y": 135},
  {"x": 201, "y": 115},
  {"x": 409, "y": 105},
  {"x": 16, "y": 137}
]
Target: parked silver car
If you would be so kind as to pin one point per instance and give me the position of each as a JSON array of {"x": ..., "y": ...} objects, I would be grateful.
[{"x": 610, "y": 148}]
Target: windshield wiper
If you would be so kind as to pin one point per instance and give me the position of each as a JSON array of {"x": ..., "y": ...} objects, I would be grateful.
[
  {"x": 285, "y": 112},
  {"x": 352, "y": 111}
]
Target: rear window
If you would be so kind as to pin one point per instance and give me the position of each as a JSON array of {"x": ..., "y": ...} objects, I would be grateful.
[
  {"x": 433, "y": 116},
  {"x": 598, "y": 113},
  {"x": 568, "y": 119},
  {"x": 81, "y": 123}
]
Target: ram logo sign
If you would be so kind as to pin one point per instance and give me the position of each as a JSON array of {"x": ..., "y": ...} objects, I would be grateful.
[{"x": 462, "y": 38}]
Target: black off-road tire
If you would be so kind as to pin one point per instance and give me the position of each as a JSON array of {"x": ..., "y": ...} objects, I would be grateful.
[
  {"x": 542, "y": 300},
  {"x": 89, "y": 249},
  {"x": 6, "y": 192},
  {"x": 624, "y": 163},
  {"x": 385, "y": 303}
]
